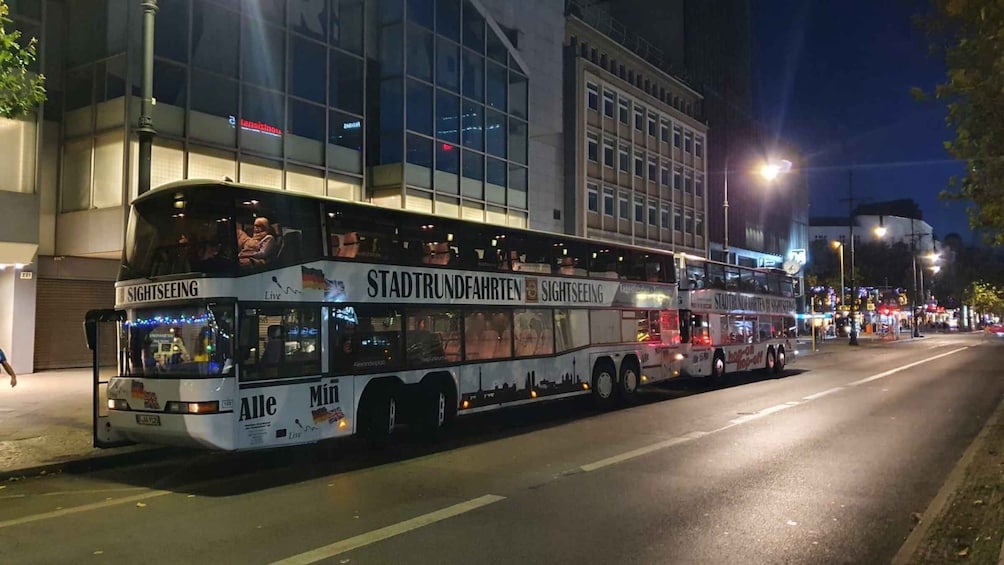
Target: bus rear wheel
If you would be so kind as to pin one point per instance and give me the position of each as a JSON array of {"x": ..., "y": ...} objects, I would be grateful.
[
  {"x": 718, "y": 367},
  {"x": 780, "y": 360},
  {"x": 627, "y": 387},
  {"x": 378, "y": 415},
  {"x": 437, "y": 408},
  {"x": 603, "y": 382},
  {"x": 771, "y": 365}
]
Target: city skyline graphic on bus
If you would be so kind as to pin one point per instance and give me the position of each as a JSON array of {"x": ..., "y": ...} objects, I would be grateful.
[{"x": 516, "y": 388}]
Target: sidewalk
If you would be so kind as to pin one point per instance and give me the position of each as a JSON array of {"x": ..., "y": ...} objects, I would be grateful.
[{"x": 45, "y": 423}]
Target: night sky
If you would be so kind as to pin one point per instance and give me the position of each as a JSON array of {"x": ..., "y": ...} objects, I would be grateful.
[{"x": 834, "y": 78}]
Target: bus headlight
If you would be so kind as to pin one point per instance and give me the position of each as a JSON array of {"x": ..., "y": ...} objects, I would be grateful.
[
  {"x": 678, "y": 357},
  {"x": 193, "y": 407},
  {"x": 117, "y": 404}
]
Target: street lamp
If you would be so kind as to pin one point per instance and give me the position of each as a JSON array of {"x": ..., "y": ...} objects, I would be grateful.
[
  {"x": 769, "y": 171},
  {"x": 839, "y": 247}
]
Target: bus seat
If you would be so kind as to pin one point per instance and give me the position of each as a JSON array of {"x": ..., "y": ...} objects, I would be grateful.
[
  {"x": 451, "y": 347},
  {"x": 348, "y": 245},
  {"x": 275, "y": 346},
  {"x": 289, "y": 248},
  {"x": 503, "y": 349},
  {"x": 545, "y": 345},
  {"x": 489, "y": 341},
  {"x": 527, "y": 343}
]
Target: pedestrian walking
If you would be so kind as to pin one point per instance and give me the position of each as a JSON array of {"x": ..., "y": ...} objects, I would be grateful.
[{"x": 8, "y": 368}]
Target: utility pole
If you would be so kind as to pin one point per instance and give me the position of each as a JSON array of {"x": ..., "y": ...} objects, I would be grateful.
[
  {"x": 916, "y": 289},
  {"x": 854, "y": 288},
  {"x": 145, "y": 130}
]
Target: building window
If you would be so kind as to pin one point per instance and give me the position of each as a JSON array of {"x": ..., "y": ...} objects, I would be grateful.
[
  {"x": 624, "y": 211},
  {"x": 688, "y": 140},
  {"x": 677, "y": 134},
  {"x": 689, "y": 228},
  {"x": 593, "y": 197},
  {"x": 624, "y": 159},
  {"x": 699, "y": 146},
  {"x": 699, "y": 186},
  {"x": 608, "y": 201},
  {"x": 651, "y": 124},
  {"x": 664, "y": 174},
  {"x": 639, "y": 209},
  {"x": 592, "y": 147},
  {"x": 664, "y": 213},
  {"x": 677, "y": 218},
  {"x": 678, "y": 178},
  {"x": 653, "y": 214},
  {"x": 653, "y": 167},
  {"x": 639, "y": 165},
  {"x": 688, "y": 183},
  {"x": 592, "y": 96},
  {"x": 608, "y": 153},
  {"x": 700, "y": 224},
  {"x": 622, "y": 110},
  {"x": 639, "y": 118},
  {"x": 608, "y": 103},
  {"x": 664, "y": 131}
]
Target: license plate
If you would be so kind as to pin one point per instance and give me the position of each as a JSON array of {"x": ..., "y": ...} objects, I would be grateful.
[{"x": 148, "y": 419}]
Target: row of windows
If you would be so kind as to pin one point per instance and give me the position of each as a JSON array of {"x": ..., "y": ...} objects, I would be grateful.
[
  {"x": 658, "y": 212},
  {"x": 278, "y": 342},
  {"x": 731, "y": 277},
  {"x": 651, "y": 87},
  {"x": 196, "y": 233},
  {"x": 656, "y": 170},
  {"x": 655, "y": 126}
]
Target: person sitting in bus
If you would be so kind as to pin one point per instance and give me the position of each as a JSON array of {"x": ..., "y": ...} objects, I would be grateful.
[
  {"x": 261, "y": 247},
  {"x": 348, "y": 245}
]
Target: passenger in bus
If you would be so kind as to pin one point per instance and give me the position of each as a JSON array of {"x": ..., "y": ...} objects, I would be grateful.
[
  {"x": 261, "y": 247},
  {"x": 242, "y": 237}
]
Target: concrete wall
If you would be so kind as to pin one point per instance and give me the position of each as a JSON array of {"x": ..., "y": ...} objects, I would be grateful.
[
  {"x": 17, "y": 319},
  {"x": 541, "y": 27},
  {"x": 91, "y": 232}
]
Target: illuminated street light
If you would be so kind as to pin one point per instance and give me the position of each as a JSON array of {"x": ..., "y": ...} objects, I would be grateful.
[
  {"x": 839, "y": 247},
  {"x": 935, "y": 268},
  {"x": 880, "y": 231},
  {"x": 769, "y": 171}
]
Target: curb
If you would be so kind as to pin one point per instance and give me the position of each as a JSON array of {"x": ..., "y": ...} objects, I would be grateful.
[
  {"x": 940, "y": 500},
  {"x": 134, "y": 455}
]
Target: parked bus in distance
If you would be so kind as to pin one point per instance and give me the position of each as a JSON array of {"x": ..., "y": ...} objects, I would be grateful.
[
  {"x": 735, "y": 318},
  {"x": 256, "y": 318}
]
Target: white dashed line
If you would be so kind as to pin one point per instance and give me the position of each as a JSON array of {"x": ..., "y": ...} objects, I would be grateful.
[
  {"x": 822, "y": 394},
  {"x": 905, "y": 367}
]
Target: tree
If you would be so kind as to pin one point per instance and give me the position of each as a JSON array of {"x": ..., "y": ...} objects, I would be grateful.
[
  {"x": 21, "y": 90},
  {"x": 967, "y": 34},
  {"x": 985, "y": 298}
]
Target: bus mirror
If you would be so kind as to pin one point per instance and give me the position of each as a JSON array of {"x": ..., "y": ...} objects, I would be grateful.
[{"x": 91, "y": 333}]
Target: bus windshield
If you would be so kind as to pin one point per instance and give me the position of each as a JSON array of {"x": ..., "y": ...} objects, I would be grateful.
[
  {"x": 180, "y": 232},
  {"x": 169, "y": 342}
]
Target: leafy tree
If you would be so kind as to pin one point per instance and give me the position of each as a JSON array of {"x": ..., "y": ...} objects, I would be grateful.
[
  {"x": 967, "y": 34},
  {"x": 21, "y": 90},
  {"x": 985, "y": 298}
]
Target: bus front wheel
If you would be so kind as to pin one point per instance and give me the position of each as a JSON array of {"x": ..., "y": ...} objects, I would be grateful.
[
  {"x": 771, "y": 365},
  {"x": 437, "y": 407}
]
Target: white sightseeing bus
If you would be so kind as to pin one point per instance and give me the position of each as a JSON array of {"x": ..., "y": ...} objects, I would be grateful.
[
  {"x": 740, "y": 319},
  {"x": 339, "y": 318},
  {"x": 253, "y": 318}
]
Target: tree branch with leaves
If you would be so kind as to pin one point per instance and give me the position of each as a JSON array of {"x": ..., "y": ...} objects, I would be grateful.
[
  {"x": 969, "y": 35},
  {"x": 21, "y": 90}
]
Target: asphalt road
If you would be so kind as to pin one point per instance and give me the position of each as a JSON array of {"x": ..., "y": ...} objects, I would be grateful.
[{"x": 824, "y": 465}]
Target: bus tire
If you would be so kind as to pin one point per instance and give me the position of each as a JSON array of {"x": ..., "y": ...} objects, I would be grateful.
[
  {"x": 437, "y": 406},
  {"x": 627, "y": 386},
  {"x": 604, "y": 381},
  {"x": 779, "y": 360},
  {"x": 718, "y": 367},
  {"x": 771, "y": 364},
  {"x": 378, "y": 414}
]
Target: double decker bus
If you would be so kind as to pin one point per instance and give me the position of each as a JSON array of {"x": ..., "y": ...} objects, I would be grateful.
[
  {"x": 735, "y": 318},
  {"x": 252, "y": 318}
]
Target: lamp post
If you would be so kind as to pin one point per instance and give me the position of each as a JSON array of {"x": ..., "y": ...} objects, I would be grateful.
[
  {"x": 839, "y": 247},
  {"x": 145, "y": 130},
  {"x": 769, "y": 171},
  {"x": 850, "y": 228}
]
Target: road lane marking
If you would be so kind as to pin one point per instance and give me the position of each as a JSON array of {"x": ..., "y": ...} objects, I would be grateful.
[
  {"x": 905, "y": 367},
  {"x": 388, "y": 532},
  {"x": 642, "y": 451},
  {"x": 822, "y": 394},
  {"x": 85, "y": 508},
  {"x": 762, "y": 413}
]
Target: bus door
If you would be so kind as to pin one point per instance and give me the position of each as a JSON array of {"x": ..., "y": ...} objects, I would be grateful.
[
  {"x": 695, "y": 334},
  {"x": 101, "y": 331}
]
